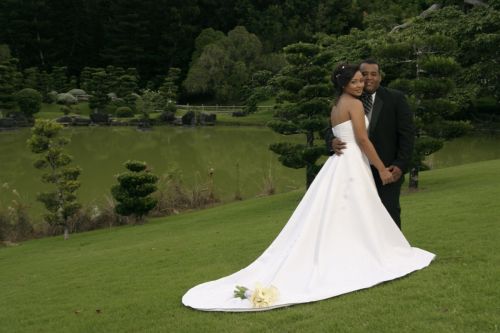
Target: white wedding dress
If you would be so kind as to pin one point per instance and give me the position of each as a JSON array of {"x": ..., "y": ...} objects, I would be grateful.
[{"x": 339, "y": 239}]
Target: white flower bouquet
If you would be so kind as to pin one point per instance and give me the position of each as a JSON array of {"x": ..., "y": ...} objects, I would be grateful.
[{"x": 260, "y": 297}]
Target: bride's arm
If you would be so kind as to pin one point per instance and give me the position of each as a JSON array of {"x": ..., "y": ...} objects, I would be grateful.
[{"x": 361, "y": 134}]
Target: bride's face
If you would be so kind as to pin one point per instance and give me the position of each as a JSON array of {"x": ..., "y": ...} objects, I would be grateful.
[{"x": 356, "y": 85}]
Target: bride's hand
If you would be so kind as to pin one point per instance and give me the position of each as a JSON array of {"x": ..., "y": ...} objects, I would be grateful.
[
  {"x": 385, "y": 176},
  {"x": 338, "y": 145}
]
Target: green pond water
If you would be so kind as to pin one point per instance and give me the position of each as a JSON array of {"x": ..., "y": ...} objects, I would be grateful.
[
  {"x": 469, "y": 149},
  {"x": 239, "y": 157}
]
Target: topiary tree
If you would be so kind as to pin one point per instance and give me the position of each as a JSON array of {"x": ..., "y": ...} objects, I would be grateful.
[
  {"x": 170, "y": 85},
  {"x": 66, "y": 99},
  {"x": 29, "y": 101},
  {"x": 303, "y": 85},
  {"x": 124, "y": 112},
  {"x": 126, "y": 89},
  {"x": 113, "y": 75},
  {"x": 99, "y": 98},
  {"x": 61, "y": 202},
  {"x": 427, "y": 79},
  {"x": 259, "y": 90},
  {"x": 133, "y": 193}
]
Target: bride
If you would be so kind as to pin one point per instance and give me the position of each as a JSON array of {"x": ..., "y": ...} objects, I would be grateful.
[{"x": 339, "y": 239}]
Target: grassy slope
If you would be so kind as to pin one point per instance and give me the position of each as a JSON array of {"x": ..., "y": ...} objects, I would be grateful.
[{"x": 131, "y": 279}]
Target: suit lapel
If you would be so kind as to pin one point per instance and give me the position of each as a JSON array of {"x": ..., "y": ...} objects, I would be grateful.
[{"x": 377, "y": 108}]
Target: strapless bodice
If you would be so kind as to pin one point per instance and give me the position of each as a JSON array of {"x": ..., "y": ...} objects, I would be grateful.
[{"x": 345, "y": 132}]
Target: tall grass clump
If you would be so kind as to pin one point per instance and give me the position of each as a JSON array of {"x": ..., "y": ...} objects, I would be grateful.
[{"x": 15, "y": 223}]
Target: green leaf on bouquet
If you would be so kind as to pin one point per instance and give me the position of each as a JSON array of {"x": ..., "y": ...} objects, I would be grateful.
[{"x": 239, "y": 292}]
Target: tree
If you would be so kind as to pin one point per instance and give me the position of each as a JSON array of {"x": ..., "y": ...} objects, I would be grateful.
[
  {"x": 59, "y": 79},
  {"x": 426, "y": 76},
  {"x": 134, "y": 189},
  {"x": 304, "y": 87},
  {"x": 31, "y": 79},
  {"x": 61, "y": 203},
  {"x": 170, "y": 87},
  {"x": 45, "y": 86},
  {"x": 127, "y": 85},
  {"x": 99, "y": 98},
  {"x": 478, "y": 53},
  {"x": 7, "y": 86},
  {"x": 113, "y": 75},
  {"x": 206, "y": 37},
  {"x": 4, "y": 52},
  {"x": 152, "y": 101},
  {"x": 29, "y": 101},
  {"x": 127, "y": 30},
  {"x": 224, "y": 66}
]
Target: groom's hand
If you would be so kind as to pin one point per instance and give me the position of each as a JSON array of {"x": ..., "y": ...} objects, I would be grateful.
[
  {"x": 338, "y": 145},
  {"x": 396, "y": 173}
]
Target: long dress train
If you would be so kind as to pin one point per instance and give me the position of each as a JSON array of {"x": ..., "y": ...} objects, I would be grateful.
[{"x": 339, "y": 239}]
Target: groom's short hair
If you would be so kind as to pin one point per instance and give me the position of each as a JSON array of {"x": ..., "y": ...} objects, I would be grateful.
[{"x": 371, "y": 61}]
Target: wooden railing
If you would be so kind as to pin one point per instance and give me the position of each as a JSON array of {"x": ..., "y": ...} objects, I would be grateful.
[{"x": 218, "y": 108}]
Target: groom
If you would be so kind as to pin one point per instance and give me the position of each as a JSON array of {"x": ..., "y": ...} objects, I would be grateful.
[{"x": 391, "y": 131}]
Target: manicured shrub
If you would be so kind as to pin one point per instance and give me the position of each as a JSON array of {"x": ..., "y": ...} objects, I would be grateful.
[
  {"x": 29, "y": 101},
  {"x": 67, "y": 99},
  {"x": 124, "y": 112}
]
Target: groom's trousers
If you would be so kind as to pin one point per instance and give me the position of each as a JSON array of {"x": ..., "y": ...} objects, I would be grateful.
[{"x": 389, "y": 194}]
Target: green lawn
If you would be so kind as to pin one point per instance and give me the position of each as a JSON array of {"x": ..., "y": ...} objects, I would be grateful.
[
  {"x": 259, "y": 118},
  {"x": 52, "y": 111},
  {"x": 131, "y": 279}
]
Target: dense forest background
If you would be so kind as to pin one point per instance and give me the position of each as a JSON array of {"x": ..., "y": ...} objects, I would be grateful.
[
  {"x": 224, "y": 49},
  {"x": 153, "y": 36}
]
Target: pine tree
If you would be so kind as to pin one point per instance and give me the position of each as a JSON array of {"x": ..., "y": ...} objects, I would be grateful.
[
  {"x": 61, "y": 203},
  {"x": 304, "y": 87},
  {"x": 426, "y": 77},
  {"x": 133, "y": 193},
  {"x": 127, "y": 85},
  {"x": 99, "y": 98},
  {"x": 170, "y": 87}
]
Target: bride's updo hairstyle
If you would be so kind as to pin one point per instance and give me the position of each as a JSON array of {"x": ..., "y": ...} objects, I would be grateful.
[{"x": 342, "y": 75}]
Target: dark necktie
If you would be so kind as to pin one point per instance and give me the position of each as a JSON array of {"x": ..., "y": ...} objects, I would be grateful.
[{"x": 367, "y": 101}]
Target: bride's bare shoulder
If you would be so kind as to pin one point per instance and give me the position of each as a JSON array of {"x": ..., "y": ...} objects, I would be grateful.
[
  {"x": 348, "y": 102},
  {"x": 352, "y": 101}
]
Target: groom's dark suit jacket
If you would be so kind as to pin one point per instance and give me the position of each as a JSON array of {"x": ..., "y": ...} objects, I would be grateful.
[
  {"x": 391, "y": 128},
  {"x": 392, "y": 132}
]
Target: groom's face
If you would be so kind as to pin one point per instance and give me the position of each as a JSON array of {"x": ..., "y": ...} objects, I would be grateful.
[{"x": 371, "y": 73}]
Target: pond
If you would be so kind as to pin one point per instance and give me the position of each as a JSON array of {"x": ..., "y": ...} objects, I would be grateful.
[
  {"x": 239, "y": 157},
  {"x": 466, "y": 149}
]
